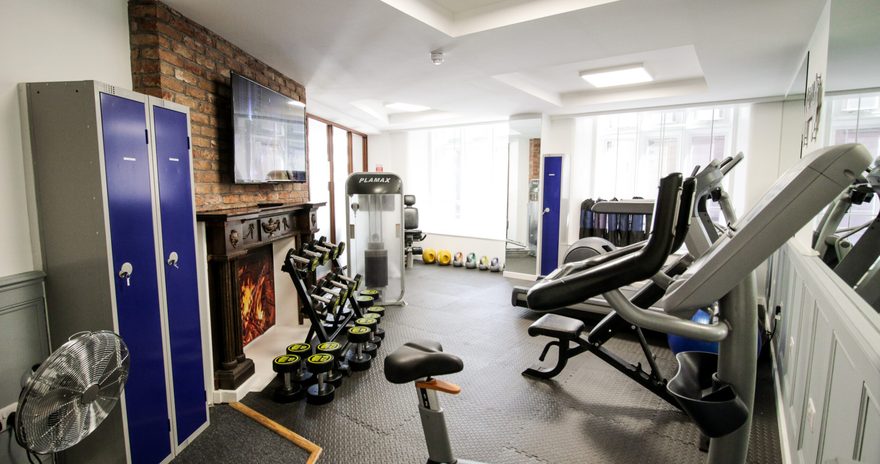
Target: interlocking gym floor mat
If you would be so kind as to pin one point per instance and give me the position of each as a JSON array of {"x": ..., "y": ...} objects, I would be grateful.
[{"x": 589, "y": 414}]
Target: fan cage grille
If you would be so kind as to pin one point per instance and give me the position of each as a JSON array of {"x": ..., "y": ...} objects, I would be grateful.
[{"x": 53, "y": 413}]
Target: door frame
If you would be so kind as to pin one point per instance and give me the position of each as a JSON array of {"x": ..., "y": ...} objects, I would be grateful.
[
  {"x": 562, "y": 195},
  {"x": 331, "y": 186}
]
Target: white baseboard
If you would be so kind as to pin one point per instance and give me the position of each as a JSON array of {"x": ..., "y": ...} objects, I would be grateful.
[
  {"x": 781, "y": 417},
  {"x": 519, "y": 276}
]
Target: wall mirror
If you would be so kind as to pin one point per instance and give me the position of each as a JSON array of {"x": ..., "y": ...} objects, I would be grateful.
[
  {"x": 852, "y": 115},
  {"x": 523, "y": 170}
]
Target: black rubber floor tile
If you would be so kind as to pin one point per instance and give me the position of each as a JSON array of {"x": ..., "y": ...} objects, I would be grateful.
[{"x": 590, "y": 413}]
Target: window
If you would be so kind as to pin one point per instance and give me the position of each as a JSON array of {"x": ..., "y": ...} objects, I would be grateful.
[
  {"x": 334, "y": 152},
  {"x": 633, "y": 150},
  {"x": 624, "y": 155},
  {"x": 856, "y": 119},
  {"x": 459, "y": 177}
]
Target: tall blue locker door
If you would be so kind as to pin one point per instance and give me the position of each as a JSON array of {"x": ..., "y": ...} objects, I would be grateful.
[
  {"x": 130, "y": 208},
  {"x": 181, "y": 280},
  {"x": 550, "y": 214}
]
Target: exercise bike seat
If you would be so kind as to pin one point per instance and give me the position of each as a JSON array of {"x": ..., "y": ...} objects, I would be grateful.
[{"x": 420, "y": 359}]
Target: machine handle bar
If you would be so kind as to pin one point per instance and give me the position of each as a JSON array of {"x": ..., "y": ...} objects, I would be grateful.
[{"x": 560, "y": 291}]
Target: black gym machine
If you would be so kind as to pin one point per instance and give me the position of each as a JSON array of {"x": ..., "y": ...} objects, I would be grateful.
[
  {"x": 344, "y": 334},
  {"x": 697, "y": 191},
  {"x": 567, "y": 331}
]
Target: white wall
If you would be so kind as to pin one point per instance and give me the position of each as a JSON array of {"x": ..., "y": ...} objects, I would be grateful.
[
  {"x": 818, "y": 48},
  {"x": 762, "y": 151},
  {"x": 558, "y": 138},
  {"x": 518, "y": 189},
  {"x": 389, "y": 151},
  {"x": 44, "y": 40}
]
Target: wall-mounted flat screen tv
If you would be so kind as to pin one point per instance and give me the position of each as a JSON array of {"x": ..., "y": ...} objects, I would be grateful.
[{"x": 270, "y": 134}]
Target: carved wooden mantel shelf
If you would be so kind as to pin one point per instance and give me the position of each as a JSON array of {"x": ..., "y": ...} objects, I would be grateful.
[{"x": 230, "y": 234}]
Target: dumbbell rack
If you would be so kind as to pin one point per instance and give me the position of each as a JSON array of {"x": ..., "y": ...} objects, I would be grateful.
[
  {"x": 315, "y": 368},
  {"x": 293, "y": 266}
]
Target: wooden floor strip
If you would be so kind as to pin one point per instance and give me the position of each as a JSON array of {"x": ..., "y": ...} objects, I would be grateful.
[{"x": 313, "y": 449}]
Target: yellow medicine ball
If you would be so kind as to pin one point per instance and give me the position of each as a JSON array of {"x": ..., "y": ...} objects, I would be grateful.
[{"x": 429, "y": 256}]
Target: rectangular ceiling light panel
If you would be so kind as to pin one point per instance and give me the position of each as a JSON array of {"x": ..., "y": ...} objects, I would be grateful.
[
  {"x": 406, "y": 107},
  {"x": 612, "y": 77}
]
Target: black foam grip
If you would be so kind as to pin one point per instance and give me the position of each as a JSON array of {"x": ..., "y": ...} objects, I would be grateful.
[
  {"x": 688, "y": 189},
  {"x": 633, "y": 267},
  {"x": 685, "y": 209}
]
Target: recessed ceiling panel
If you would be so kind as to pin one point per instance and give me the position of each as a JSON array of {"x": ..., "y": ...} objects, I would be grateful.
[
  {"x": 456, "y": 18},
  {"x": 668, "y": 64},
  {"x": 558, "y": 84},
  {"x": 354, "y": 56}
]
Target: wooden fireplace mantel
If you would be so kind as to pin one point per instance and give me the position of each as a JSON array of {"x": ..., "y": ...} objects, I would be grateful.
[{"x": 230, "y": 234}]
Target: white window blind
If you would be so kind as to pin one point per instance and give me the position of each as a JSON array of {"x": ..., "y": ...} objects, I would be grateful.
[{"x": 459, "y": 177}]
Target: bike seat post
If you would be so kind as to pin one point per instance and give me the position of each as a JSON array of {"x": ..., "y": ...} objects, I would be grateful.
[{"x": 433, "y": 423}]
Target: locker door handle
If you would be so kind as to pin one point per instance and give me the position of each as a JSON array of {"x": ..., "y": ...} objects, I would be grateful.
[
  {"x": 546, "y": 210},
  {"x": 125, "y": 273},
  {"x": 173, "y": 259}
]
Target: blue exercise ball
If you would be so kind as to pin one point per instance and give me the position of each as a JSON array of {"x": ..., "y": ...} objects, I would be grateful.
[{"x": 679, "y": 344}]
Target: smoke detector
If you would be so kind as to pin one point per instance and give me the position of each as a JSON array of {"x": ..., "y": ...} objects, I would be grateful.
[{"x": 437, "y": 57}]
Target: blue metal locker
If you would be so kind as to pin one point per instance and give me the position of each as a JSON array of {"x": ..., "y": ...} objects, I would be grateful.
[
  {"x": 550, "y": 223},
  {"x": 171, "y": 132},
  {"x": 130, "y": 210}
]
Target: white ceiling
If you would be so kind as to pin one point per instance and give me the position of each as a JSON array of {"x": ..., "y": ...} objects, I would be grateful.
[
  {"x": 370, "y": 53},
  {"x": 456, "y": 18}
]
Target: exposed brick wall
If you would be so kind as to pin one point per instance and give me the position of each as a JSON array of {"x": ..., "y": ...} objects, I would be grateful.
[
  {"x": 174, "y": 58},
  {"x": 534, "y": 158}
]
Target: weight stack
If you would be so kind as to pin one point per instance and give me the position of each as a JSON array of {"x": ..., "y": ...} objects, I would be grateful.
[{"x": 376, "y": 266}]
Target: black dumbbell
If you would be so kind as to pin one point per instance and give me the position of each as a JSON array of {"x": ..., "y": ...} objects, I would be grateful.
[
  {"x": 286, "y": 365},
  {"x": 371, "y": 292},
  {"x": 377, "y": 313},
  {"x": 323, "y": 391},
  {"x": 336, "y": 248},
  {"x": 333, "y": 281},
  {"x": 301, "y": 375},
  {"x": 357, "y": 359},
  {"x": 326, "y": 253},
  {"x": 374, "y": 342},
  {"x": 308, "y": 264},
  {"x": 331, "y": 285},
  {"x": 327, "y": 307},
  {"x": 364, "y": 302},
  {"x": 334, "y": 349},
  {"x": 312, "y": 254},
  {"x": 353, "y": 283}
]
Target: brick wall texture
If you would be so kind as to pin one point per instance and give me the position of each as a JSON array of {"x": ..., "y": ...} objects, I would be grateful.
[
  {"x": 534, "y": 158},
  {"x": 176, "y": 59}
]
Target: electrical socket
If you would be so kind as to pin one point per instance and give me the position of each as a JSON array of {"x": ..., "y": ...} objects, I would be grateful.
[{"x": 5, "y": 412}]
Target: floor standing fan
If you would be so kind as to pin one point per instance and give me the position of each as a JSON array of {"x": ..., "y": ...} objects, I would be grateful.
[{"x": 65, "y": 398}]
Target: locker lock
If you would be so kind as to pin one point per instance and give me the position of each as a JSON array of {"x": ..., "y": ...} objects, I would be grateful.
[
  {"x": 172, "y": 259},
  {"x": 125, "y": 273}
]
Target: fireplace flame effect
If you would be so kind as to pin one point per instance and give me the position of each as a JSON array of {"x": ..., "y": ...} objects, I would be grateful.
[{"x": 256, "y": 296}]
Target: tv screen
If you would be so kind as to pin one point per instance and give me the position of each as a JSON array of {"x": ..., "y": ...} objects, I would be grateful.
[{"x": 270, "y": 134}]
